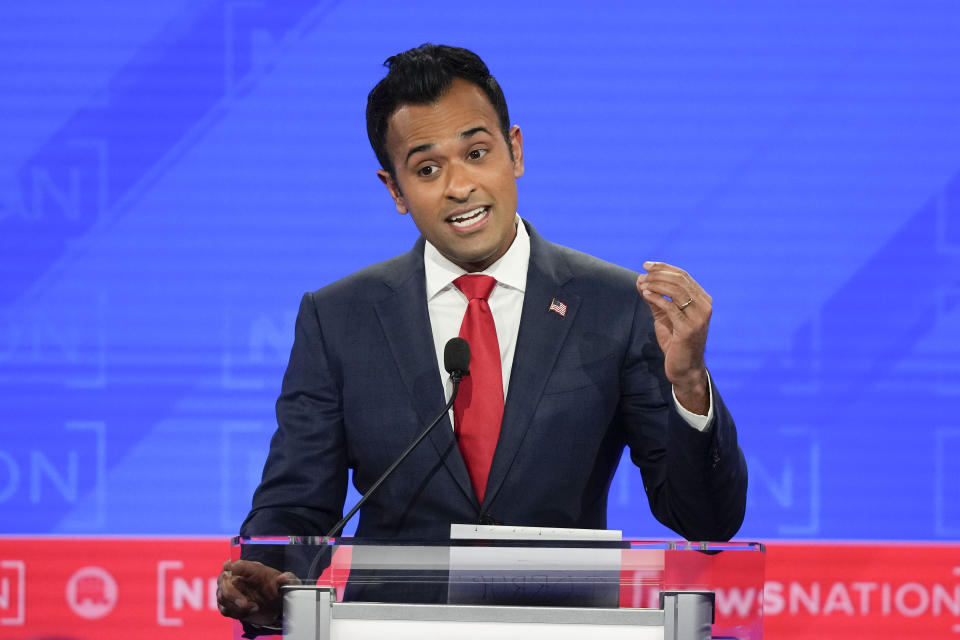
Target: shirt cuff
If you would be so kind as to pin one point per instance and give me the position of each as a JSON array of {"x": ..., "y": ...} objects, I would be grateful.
[{"x": 695, "y": 420}]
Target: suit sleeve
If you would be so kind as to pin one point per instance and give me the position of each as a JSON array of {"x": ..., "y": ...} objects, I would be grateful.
[
  {"x": 696, "y": 483},
  {"x": 305, "y": 476}
]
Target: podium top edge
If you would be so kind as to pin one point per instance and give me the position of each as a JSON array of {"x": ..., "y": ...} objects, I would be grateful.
[{"x": 629, "y": 543}]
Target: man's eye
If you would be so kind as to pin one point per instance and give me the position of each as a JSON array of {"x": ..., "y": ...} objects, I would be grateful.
[
  {"x": 476, "y": 154},
  {"x": 428, "y": 170}
]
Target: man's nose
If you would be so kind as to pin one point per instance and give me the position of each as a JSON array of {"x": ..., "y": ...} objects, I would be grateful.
[{"x": 460, "y": 182}]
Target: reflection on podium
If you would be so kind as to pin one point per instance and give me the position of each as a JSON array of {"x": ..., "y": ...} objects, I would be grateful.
[{"x": 507, "y": 588}]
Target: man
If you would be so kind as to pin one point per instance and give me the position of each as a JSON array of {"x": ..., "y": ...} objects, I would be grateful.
[{"x": 573, "y": 358}]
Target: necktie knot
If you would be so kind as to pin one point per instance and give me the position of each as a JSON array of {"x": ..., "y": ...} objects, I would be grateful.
[{"x": 476, "y": 286}]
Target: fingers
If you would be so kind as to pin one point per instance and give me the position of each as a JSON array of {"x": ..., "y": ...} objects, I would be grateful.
[
  {"x": 249, "y": 591},
  {"x": 661, "y": 307},
  {"x": 242, "y": 586},
  {"x": 671, "y": 282},
  {"x": 287, "y": 578},
  {"x": 248, "y": 569},
  {"x": 686, "y": 295},
  {"x": 232, "y": 599},
  {"x": 681, "y": 316}
]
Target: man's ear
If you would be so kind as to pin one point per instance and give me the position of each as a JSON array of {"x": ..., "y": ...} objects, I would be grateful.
[
  {"x": 516, "y": 145},
  {"x": 394, "y": 189}
]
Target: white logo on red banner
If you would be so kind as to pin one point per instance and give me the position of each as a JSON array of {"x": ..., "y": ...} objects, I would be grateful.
[
  {"x": 12, "y": 592},
  {"x": 179, "y": 594},
  {"x": 92, "y": 592},
  {"x": 863, "y": 598}
]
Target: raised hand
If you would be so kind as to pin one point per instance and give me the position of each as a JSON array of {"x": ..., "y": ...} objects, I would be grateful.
[{"x": 681, "y": 314}]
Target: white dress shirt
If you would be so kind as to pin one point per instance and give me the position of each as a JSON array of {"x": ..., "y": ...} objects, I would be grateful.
[{"x": 446, "y": 305}]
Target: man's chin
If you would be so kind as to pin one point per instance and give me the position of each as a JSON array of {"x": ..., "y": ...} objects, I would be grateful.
[{"x": 472, "y": 261}]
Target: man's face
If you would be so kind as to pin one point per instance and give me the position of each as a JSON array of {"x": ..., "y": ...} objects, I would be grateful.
[{"x": 455, "y": 176}]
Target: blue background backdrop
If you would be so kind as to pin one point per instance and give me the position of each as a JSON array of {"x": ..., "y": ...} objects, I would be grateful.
[{"x": 173, "y": 176}]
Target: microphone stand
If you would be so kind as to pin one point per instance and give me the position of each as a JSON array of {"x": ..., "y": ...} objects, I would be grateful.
[{"x": 455, "y": 376}]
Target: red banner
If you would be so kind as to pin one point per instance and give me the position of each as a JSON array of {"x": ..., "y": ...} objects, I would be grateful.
[
  {"x": 862, "y": 591},
  {"x": 165, "y": 588},
  {"x": 111, "y": 588}
]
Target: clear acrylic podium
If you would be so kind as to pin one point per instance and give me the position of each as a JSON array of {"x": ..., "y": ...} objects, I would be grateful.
[{"x": 504, "y": 589}]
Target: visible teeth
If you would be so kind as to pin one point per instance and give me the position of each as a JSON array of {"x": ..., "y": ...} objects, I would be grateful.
[{"x": 469, "y": 217}]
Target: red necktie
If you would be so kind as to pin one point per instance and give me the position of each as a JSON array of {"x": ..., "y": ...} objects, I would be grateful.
[{"x": 478, "y": 409}]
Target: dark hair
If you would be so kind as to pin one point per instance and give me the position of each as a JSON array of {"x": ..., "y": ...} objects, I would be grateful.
[{"x": 422, "y": 76}]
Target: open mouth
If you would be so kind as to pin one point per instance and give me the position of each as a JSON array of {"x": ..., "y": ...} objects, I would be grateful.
[{"x": 469, "y": 218}]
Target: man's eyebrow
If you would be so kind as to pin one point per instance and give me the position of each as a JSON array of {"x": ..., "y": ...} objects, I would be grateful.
[
  {"x": 418, "y": 149},
  {"x": 473, "y": 132},
  {"x": 429, "y": 145}
]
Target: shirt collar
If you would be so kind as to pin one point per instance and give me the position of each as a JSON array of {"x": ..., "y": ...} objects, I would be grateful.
[{"x": 510, "y": 270}]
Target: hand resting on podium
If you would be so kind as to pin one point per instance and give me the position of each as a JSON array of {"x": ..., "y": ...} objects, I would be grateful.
[{"x": 250, "y": 592}]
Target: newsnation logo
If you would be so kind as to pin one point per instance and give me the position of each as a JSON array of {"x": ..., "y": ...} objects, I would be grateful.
[{"x": 101, "y": 588}]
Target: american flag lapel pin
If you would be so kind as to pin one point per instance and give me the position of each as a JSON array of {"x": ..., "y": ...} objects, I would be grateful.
[{"x": 558, "y": 308}]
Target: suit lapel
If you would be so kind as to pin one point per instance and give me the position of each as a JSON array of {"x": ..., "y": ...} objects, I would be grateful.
[
  {"x": 405, "y": 321},
  {"x": 539, "y": 341}
]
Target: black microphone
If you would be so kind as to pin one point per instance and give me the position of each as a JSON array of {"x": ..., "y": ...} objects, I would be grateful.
[{"x": 456, "y": 360}]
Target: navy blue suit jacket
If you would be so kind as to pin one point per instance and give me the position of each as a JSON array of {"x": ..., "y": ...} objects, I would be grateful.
[{"x": 363, "y": 381}]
